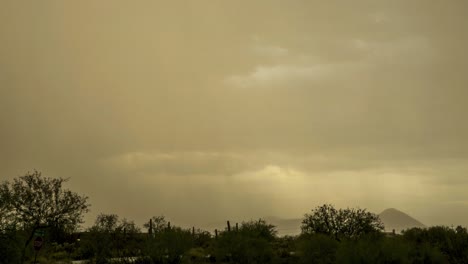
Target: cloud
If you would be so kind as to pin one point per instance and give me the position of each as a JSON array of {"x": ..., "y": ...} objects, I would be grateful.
[
  {"x": 272, "y": 189},
  {"x": 312, "y": 66},
  {"x": 187, "y": 163},
  {"x": 289, "y": 74},
  {"x": 228, "y": 163},
  {"x": 307, "y": 68},
  {"x": 408, "y": 50}
]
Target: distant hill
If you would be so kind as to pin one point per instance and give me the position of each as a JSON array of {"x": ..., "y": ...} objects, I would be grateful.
[{"x": 395, "y": 219}]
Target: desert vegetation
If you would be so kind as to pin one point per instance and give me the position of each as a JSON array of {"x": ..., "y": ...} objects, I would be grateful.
[{"x": 36, "y": 206}]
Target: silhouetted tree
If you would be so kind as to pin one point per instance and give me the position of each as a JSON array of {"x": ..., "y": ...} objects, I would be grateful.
[
  {"x": 342, "y": 223},
  {"x": 7, "y": 217},
  {"x": 111, "y": 237},
  {"x": 36, "y": 202},
  {"x": 8, "y": 235}
]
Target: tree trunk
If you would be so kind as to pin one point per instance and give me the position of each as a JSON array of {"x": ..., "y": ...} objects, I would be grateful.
[{"x": 23, "y": 255}]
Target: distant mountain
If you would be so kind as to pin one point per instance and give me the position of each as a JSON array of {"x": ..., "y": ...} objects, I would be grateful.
[{"x": 395, "y": 219}]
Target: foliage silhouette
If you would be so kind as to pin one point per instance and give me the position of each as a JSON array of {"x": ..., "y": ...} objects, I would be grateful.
[
  {"x": 328, "y": 235},
  {"x": 252, "y": 243},
  {"x": 35, "y": 202},
  {"x": 342, "y": 223}
]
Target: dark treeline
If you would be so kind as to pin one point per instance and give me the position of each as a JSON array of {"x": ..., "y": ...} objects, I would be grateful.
[{"x": 33, "y": 206}]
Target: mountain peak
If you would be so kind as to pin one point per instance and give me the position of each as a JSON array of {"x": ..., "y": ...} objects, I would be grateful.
[
  {"x": 397, "y": 220},
  {"x": 391, "y": 211}
]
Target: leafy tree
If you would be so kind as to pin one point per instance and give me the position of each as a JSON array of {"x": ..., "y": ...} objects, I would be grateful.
[
  {"x": 105, "y": 223},
  {"x": 100, "y": 241},
  {"x": 36, "y": 202},
  {"x": 342, "y": 223},
  {"x": 259, "y": 228},
  {"x": 7, "y": 219},
  {"x": 111, "y": 237},
  {"x": 8, "y": 234},
  {"x": 127, "y": 239}
]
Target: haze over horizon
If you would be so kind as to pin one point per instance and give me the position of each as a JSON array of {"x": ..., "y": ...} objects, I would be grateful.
[{"x": 216, "y": 110}]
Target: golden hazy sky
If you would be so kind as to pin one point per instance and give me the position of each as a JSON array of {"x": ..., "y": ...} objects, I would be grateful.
[{"x": 210, "y": 110}]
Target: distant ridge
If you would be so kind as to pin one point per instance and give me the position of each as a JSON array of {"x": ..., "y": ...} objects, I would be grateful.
[{"x": 394, "y": 219}]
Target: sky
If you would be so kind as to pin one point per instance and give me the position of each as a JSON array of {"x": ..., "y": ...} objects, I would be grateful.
[{"x": 204, "y": 111}]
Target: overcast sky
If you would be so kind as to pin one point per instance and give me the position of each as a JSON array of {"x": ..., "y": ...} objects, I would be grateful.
[{"x": 211, "y": 110}]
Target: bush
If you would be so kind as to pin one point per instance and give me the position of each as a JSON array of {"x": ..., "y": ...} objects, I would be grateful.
[
  {"x": 318, "y": 248},
  {"x": 252, "y": 243},
  {"x": 373, "y": 249},
  {"x": 169, "y": 245},
  {"x": 10, "y": 249}
]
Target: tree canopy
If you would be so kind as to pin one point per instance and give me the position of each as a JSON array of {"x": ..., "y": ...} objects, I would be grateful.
[
  {"x": 33, "y": 202},
  {"x": 7, "y": 221},
  {"x": 340, "y": 223},
  {"x": 36, "y": 201}
]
